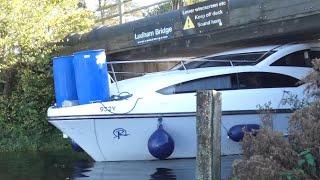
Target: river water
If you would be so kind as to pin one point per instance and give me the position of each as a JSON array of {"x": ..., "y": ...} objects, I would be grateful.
[{"x": 68, "y": 165}]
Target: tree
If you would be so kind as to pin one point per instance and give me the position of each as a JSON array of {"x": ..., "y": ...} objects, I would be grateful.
[
  {"x": 173, "y": 5},
  {"x": 108, "y": 8},
  {"x": 29, "y": 28},
  {"x": 31, "y": 31}
]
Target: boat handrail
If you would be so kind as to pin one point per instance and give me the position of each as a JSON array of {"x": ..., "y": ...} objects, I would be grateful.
[
  {"x": 143, "y": 61},
  {"x": 134, "y": 73},
  {"x": 193, "y": 59},
  {"x": 184, "y": 60}
]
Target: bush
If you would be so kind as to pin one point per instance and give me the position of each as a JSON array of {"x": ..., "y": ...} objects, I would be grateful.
[
  {"x": 23, "y": 113},
  {"x": 271, "y": 156},
  {"x": 256, "y": 167},
  {"x": 30, "y": 31},
  {"x": 305, "y": 130}
]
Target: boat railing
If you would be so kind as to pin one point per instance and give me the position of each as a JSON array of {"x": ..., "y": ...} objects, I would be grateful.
[
  {"x": 182, "y": 61},
  {"x": 185, "y": 61},
  {"x": 118, "y": 62}
]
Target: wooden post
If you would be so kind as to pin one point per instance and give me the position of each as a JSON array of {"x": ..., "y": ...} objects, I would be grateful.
[
  {"x": 120, "y": 10},
  {"x": 208, "y": 135}
]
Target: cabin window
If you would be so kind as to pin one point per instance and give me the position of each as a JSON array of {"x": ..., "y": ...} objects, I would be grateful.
[
  {"x": 256, "y": 80},
  {"x": 225, "y": 82},
  {"x": 246, "y": 80},
  {"x": 297, "y": 59},
  {"x": 314, "y": 55}
]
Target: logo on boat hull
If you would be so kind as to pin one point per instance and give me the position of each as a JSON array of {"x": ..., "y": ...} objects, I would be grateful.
[{"x": 120, "y": 132}]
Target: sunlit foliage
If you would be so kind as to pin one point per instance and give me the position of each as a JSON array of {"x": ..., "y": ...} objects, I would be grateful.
[{"x": 31, "y": 31}]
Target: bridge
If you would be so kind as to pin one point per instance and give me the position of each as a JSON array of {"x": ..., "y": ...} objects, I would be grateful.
[{"x": 205, "y": 28}]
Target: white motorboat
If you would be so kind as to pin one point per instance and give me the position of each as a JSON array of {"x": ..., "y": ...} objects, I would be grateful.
[{"x": 120, "y": 129}]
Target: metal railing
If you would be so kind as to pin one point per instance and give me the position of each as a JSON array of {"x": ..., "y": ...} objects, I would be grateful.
[{"x": 121, "y": 10}]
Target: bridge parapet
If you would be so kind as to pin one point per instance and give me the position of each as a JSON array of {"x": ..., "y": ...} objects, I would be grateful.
[{"x": 205, "y": 28}]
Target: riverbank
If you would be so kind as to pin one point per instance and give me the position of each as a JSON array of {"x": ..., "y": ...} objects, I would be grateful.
[{"x": 22, "y": 142}]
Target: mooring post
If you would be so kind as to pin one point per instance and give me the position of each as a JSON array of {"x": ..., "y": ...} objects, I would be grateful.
[{"x": 208, "y": 135}]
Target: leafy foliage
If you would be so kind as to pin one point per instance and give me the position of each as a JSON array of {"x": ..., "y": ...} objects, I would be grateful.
[
  {"x": 31, "y": 27},
  {"x": 23, "y": 114},
  {"x": 30, "y": 32},
  {"x": 173, "y": 5}
]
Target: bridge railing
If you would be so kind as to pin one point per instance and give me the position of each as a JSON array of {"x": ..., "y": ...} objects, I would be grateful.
[{"x": 122, "y": 8}]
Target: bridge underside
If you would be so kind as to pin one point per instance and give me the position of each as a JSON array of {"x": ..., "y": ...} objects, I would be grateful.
[
  {"x": 287, "y": 31},
  {"x": 206, "y": 28}
]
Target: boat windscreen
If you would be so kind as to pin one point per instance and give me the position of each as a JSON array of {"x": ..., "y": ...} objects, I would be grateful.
[{"x": 240, "y": 59}]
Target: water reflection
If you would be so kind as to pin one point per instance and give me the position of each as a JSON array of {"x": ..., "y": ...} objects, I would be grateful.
[
  {"x": 67, "y": 165},
  {"x": 163, "y": 174},
  {"x": 36, "y": 166},
  {"x": 140, "y": 170}
]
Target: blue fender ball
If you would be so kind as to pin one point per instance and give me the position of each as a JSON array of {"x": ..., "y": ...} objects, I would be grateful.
[
  {"x": 160, "y": 144},
  {"x": 236, "y": 132}
]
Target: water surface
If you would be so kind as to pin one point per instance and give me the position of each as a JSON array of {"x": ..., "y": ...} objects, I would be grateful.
[{"x": 68, "y": 165}]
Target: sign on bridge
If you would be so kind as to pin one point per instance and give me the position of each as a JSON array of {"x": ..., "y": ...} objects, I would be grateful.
[
  {"x": 148, "y": 34},
  {"x": 194, "y": 19},
  {"x": 205, "y": 16}
]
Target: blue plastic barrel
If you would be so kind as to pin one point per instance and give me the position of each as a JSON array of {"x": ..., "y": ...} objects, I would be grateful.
[
  {"x": 91, "y": 76},
  {"x": 64, "y": 80}
]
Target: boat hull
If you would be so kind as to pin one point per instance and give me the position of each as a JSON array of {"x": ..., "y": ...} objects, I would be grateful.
[{"x": 126, "y": 138}]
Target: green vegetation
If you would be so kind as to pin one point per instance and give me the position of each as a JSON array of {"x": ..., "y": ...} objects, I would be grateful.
[
  {"x": 173, "y": 5},
  {"x": 30, "y": 33},
  {"x": 271, "y": 156}
]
